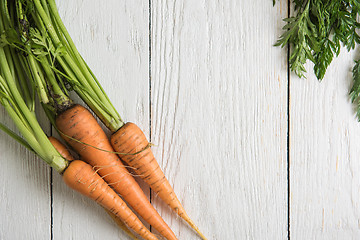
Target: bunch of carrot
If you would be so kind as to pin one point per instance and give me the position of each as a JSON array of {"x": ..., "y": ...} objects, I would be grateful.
[{"x": 36, "y": 46}]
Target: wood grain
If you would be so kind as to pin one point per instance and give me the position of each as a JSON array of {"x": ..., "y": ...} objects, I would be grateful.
[
  {"x": 113, "y": 39},
  {"x": 216, "y": 111},
  {"x": 25, "y": 210},
  {"x": 325, "y": 168},
  {"x": 219, "y": 107}
]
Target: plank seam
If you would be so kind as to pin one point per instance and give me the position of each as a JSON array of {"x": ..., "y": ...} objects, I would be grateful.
[
  {"x": 288, "y": 136},
  {"x": 150, "y": 126}
]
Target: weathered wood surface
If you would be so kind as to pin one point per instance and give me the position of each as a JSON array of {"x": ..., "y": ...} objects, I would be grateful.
[
  {"x": 203, "y": 81},
  {"x": 324, "y": 154},
  {"x": 219, "y": 104}
]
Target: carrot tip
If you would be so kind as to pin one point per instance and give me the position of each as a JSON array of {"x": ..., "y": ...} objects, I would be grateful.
[
  {"x": 197, "y": 230},
  {"x": 193, "y": 226}
]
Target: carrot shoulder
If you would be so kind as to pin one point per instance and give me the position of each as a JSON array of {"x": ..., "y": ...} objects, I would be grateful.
[
  {"x": 81, "y": 130},
  {"x": 131, "y": 141}
]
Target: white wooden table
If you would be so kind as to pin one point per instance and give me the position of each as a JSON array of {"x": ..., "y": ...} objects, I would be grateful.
[{"x": 252, "y": 151}]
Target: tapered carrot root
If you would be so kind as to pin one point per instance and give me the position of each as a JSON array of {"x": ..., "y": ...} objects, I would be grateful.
[
  {"x": 131, "y": 141},
  {"x": 64, "y": 152},
  {"x": 81, "y": 177},
  {"x": 78, "y": 123}
]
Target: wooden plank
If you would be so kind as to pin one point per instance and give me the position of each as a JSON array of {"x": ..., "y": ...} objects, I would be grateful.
[
  {"x": 113, "y": 39},
  {"x": 324, "y": 155},
  {"x": 25, "y": 189},
  {"x": 219, "y": 115}
]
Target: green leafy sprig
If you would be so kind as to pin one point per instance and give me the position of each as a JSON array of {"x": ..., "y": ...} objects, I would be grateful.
[
  {"x": 302, "y": 36},
  {"x": 317, "y": 31}
]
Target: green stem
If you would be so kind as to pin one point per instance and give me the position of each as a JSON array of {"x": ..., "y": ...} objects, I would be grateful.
[
  {"x": 91, "y": 100},
  {"x": 19, "y": 112},
  {"x": 36, "y": 130},
  {"x": 62, "y": 101},
  {"x": 39, "y": 84},
  {"x": 23, "y": 82},
  {"x": 99, "y": 111},
  {"x": 83, "y": 66},
  {"x": 16, "y": 137},
  {"x": 45, "y": 6},
  {"x": 35, "y": 136},
  {"x": 28, "y": 134},
  {"x": 82, "y": 72},
  {"x": 27, "y": 71}
]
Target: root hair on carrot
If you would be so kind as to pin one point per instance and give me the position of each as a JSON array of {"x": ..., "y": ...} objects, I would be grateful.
[
  {"x": 149, "y": 145},
  {"x": 97, "y": 168}
]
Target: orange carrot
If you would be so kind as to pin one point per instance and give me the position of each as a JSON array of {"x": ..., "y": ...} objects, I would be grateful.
[
  {"x": 64, "y": 152},
  {"x": 78, "y": 123},
  {"x": 131, "y": 141},
  {"x": 81, "y": 177}
]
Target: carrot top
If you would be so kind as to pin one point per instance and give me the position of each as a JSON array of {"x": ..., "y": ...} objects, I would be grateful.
[
  {"x": 19, "y": 103},
  {"x": 51, "y": 52}
]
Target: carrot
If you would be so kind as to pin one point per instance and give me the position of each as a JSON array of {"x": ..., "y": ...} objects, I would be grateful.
[
  {"x": 131, "y": 141},
  {"x": 64, "y": 152},
  {"x": 78, "y": 174},
  {"x": 73, "y": 69},
  {"x": 81, "y": 177},
  {"x": 78, "y": 123}
]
